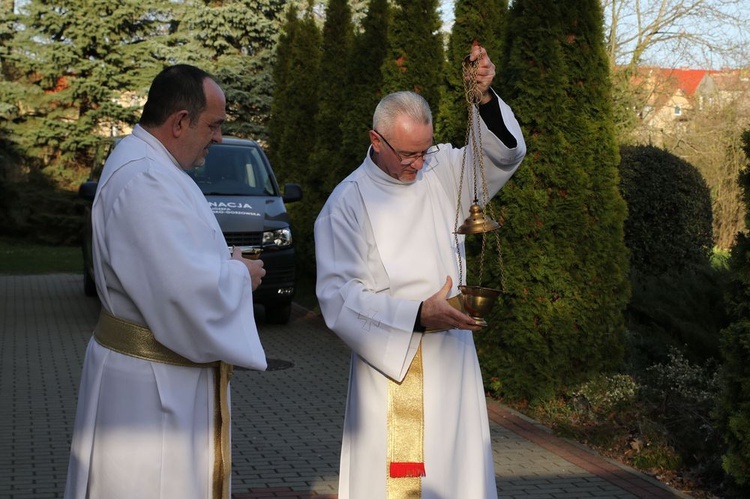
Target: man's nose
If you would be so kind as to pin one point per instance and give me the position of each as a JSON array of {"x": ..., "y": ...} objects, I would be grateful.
[{"x": 418, "y": 164}]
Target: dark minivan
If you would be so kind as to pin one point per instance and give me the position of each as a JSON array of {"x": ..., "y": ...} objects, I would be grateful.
[{"x": 241, "y": 189}]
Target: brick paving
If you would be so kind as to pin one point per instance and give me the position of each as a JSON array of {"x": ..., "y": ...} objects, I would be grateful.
[{"x": 286, "y": 422}]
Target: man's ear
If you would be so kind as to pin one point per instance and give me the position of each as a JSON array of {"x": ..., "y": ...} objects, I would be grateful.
[
  {"x": 178, "y": 122},
  {"x": 375, "y": 140}
]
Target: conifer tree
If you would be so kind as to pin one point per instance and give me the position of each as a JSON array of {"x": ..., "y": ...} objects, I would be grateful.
[
  {"x": 481, "y": 20},
  {"x": 9, "y": 90},
  {"x": 8, "y": 28},
  {"x": 235, "y": 40},
  {"x": 281, "y": 76},
  {"x": 338, "y": 33},
  {"x": 415, "y": 58},
  {"x": 77, "y": 62},
  {"x": 7, "y": 108},
  {"x": 566, "y": 263},
  {"x": 363, "y": 88},
  {"x": 84, "y": 68},
  {"x": 295, "y": 98},
  {"x": 293, "y": 123}
]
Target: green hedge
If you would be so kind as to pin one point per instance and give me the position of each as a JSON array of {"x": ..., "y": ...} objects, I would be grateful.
[
  {"x": 669, "y": 225},
  {"x": 38, "y": 212},
  {"x": 677, "y": 297}
]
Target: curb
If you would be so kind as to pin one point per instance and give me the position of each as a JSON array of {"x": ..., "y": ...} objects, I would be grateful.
[{"x": 629, "y": 479}]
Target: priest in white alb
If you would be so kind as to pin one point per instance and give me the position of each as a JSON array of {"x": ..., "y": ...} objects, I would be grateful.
[
  {"x": 416, "y": 420},
  {"x": 153, "y": 412}
]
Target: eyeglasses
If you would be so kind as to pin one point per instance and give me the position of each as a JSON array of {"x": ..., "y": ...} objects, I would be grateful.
[{"x": 408, "y": 159}]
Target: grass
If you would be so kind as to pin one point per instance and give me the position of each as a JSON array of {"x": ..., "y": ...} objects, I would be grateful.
[{"x": 19, "y": 257}]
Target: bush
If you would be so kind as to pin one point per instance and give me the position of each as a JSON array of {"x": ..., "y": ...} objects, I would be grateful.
[
  {"x": 669, "y": 225},
  {"x": 605, "y": 394},
  {"x": 682, "y": 396},
  {"x": 683, "y": 310},
  {"x": 657, "y": 420},
  {"x": 40, "y": 213},
  {"x": 609, "y": 414},
  {"x": 677, "y": 296}
]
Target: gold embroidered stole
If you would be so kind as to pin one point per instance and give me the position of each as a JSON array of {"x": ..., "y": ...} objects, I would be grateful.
[
  {"x": 406, "y": 433},
  {"x": 138, "y": 341}
]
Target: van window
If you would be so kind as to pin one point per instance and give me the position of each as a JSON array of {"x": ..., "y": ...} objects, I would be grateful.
[{"x": 234, "y": 171}]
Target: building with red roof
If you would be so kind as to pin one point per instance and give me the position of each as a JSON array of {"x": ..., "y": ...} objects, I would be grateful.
[{"x": 669, "y": 97}]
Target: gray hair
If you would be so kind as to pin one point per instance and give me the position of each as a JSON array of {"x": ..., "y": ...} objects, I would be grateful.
[{"x": 399, "y": 104}]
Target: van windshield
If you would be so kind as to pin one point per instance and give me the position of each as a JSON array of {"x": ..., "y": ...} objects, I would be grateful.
[{"x": 234, "y": 171}]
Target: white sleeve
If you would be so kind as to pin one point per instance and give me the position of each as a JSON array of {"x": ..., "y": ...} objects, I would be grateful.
[
  {"x": 163, "y": 261},
  {"x": 352, "y": 289}
]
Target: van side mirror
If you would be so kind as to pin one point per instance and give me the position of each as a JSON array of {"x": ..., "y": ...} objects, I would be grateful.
[
  {"x": 292, "y": 193},
  {"x": 87, "y": 190}
]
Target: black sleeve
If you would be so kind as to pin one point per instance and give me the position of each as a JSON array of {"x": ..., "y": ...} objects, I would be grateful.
[
  {"x": 493, "y": 118},
  {"x": 418, "y": 327}
]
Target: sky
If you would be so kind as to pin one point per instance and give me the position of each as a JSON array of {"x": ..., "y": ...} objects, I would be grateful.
[
  {"x": 668, "y": 55},
  {"x": 446, "y": 11}
]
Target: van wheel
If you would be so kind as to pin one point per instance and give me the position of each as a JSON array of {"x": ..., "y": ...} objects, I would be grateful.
[
  {"x": 279, "y": 314},
  {"x": 89, "y": 286}
]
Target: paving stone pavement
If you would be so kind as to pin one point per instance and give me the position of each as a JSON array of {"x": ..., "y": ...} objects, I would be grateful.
[{"x": 286, "y": 422}]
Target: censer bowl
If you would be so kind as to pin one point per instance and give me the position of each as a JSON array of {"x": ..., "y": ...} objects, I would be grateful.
[{"x": 478, "y": 301}]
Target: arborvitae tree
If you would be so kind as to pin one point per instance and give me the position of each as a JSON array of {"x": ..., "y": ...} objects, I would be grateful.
[
  {"x": 362, "y": 88},
  {"x": 281, "y": 75},
  {"x": 733, "y": 412},
  {"x": 481, "y": 20},
  {"x": 565, "y": 259},
  {"x": 293, "y": 122},
  {"x": 415, "y": 57},
  {"x": 295, "y": 98},
  {"x": 71, "y": 72},
  {"x": 338, "y": 33},
  {"x": 235, "y": 40}
]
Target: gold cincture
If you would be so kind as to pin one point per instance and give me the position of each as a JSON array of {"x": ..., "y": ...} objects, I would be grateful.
[{"x": 134, "y": 340}]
